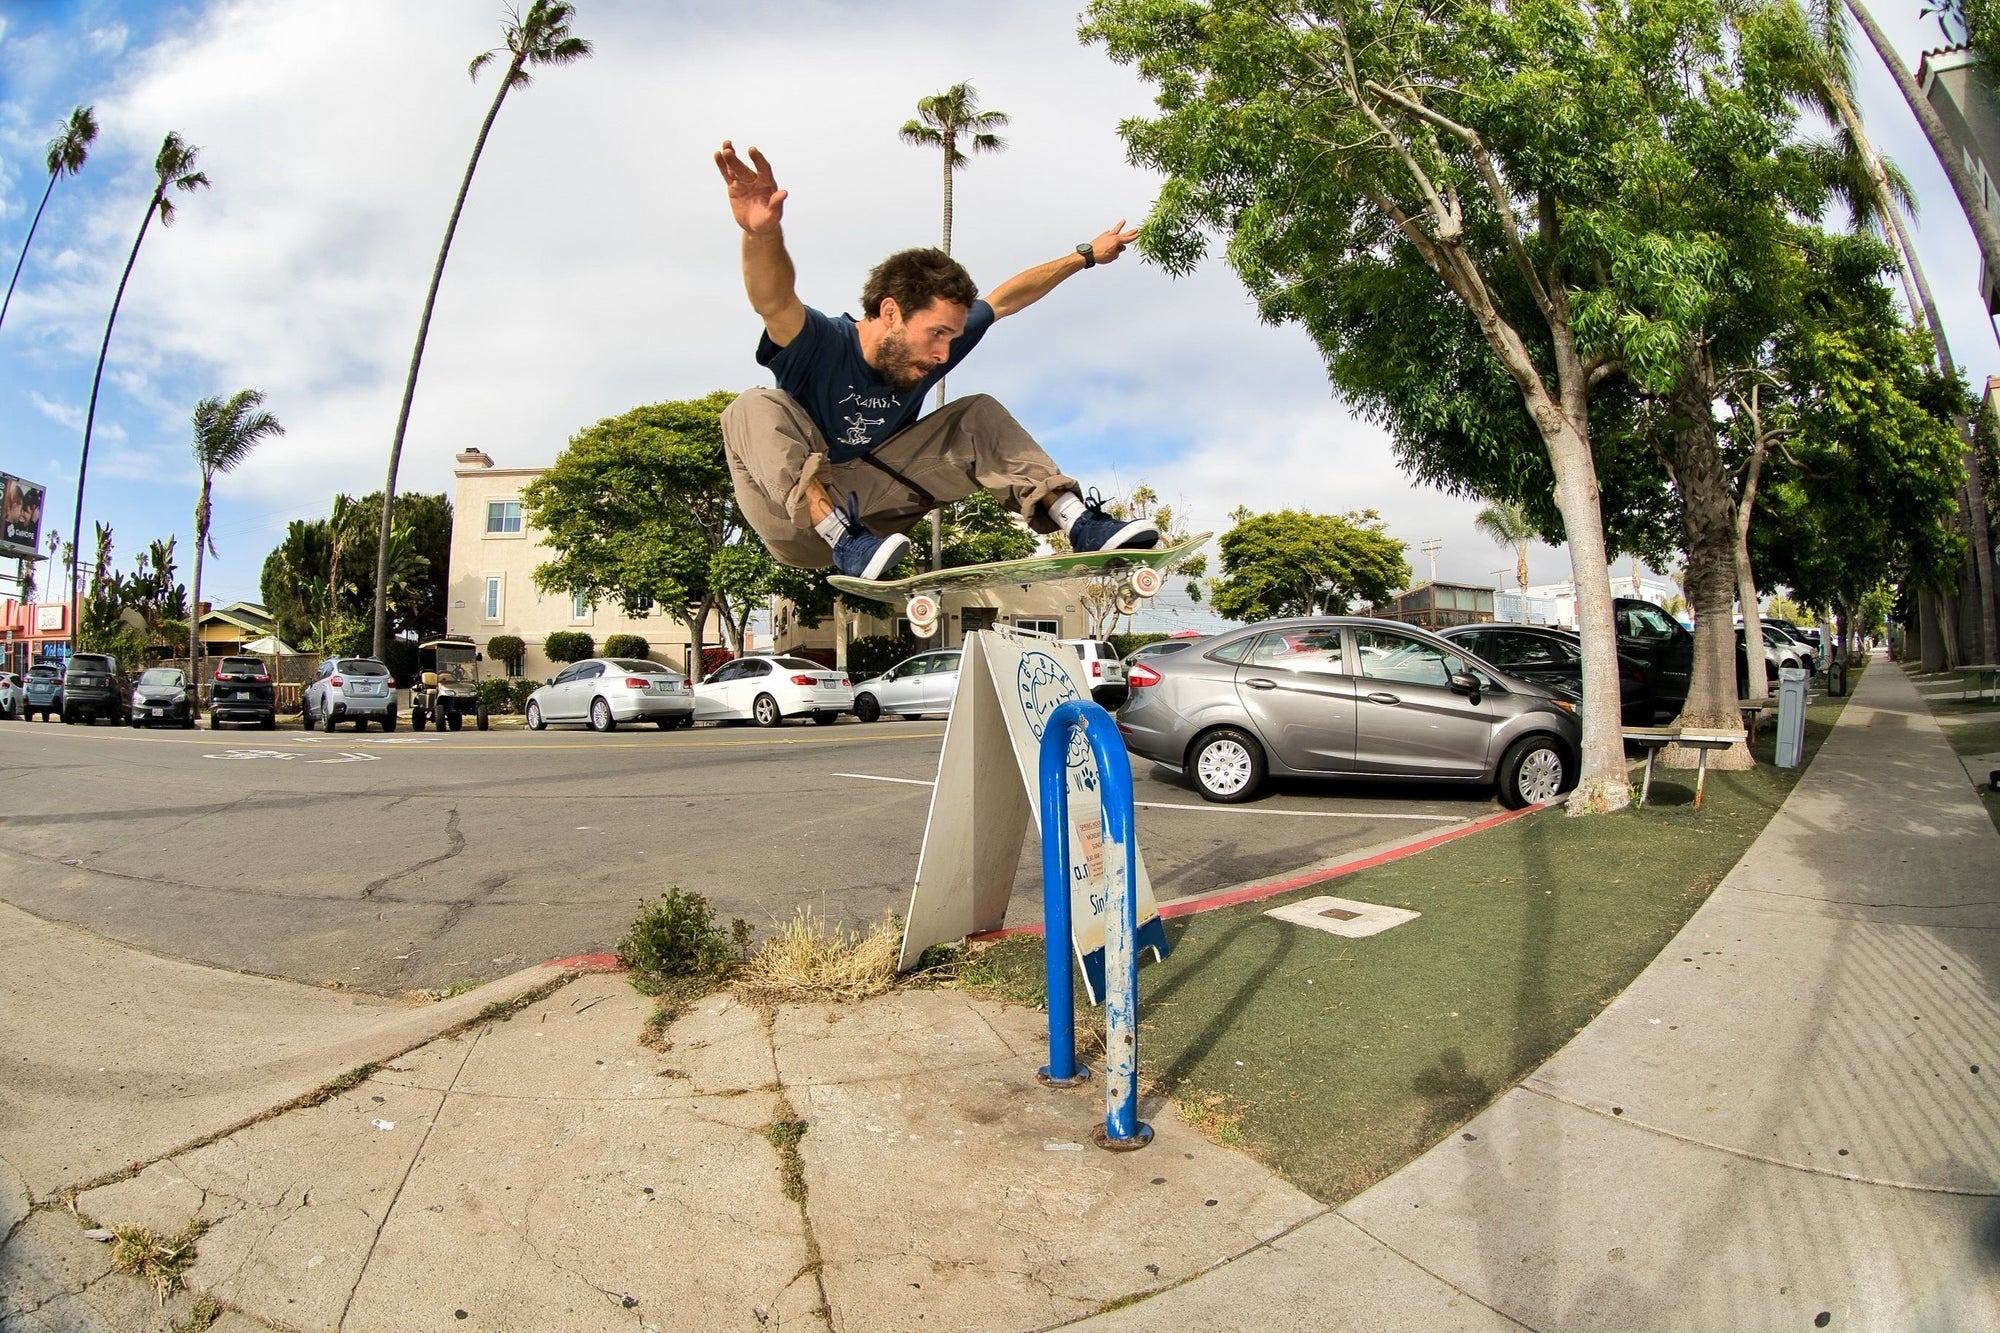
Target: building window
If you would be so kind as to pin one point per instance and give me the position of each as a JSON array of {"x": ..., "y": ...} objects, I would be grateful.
[
  {"x": 642, "y": 605},
  {"x": 579, "y": 607},
  {"x": 503, "y": 518},
  {"x": 1048, "y": 627},
  {"x": 493, "y": 604}
]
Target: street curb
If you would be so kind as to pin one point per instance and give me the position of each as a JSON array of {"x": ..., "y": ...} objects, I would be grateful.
[{"x": 1257, "y": 891}]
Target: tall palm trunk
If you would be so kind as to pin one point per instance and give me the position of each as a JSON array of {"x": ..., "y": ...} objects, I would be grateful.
[
  {"x": 24, "y": 246},
  {"x": 201, "y": 514},
  {"x": 381, "y": 628},
  {"x": 937, "y": 515},
  {"x": 90, "y": 414}
]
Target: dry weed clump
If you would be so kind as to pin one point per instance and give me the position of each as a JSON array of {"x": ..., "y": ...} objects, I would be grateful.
[{"x": 810, "y": 960}]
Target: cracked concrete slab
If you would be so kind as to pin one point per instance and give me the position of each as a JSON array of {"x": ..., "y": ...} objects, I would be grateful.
[
  {"x": 174, "y": 1051},
  {"x": 963, "y": 1195},
  {"x": 54, "y": 1280}
]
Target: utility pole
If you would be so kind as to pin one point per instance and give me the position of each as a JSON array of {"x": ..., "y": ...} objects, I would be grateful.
[{"x": 1430, "y": 546}]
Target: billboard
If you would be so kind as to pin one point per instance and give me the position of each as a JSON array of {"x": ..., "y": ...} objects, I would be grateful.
[{"x": 20, "y": 516}]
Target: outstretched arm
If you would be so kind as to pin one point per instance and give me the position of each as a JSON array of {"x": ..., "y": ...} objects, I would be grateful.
[
  {"x": 1031, "y": 285},
  {"x": 759, "y": 207}
]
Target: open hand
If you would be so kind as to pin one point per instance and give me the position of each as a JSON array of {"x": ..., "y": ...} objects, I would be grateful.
[
  {"x": 754, "y": 196},
  {"x": 1110, "y": 243}
]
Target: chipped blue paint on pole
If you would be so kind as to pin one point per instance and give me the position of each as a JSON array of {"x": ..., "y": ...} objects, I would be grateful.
[{"x": 1122, "y": 1129}]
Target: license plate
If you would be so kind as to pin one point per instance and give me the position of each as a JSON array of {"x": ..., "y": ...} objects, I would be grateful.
[{"x": 154, "y": 712}]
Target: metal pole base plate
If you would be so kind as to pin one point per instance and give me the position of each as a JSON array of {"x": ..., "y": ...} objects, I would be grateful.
[
  {"x": 1076, "y": 1080},
  {"x": 1140, "y": 1138}
]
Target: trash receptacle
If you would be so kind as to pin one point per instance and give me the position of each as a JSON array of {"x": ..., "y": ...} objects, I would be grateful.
[{"x": 1791, "y": 715}]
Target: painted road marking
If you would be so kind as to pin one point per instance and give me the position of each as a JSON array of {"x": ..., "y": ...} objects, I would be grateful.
[
  {"x": 1211, "y": 809},
  {"x": 348, "y": 757},
  {"x": 251, "y": 754}
]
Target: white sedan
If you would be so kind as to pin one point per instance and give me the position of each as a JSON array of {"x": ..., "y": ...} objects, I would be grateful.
[
  {"x": 767, "y": 690},
  {"x": 601, "y": 692}
]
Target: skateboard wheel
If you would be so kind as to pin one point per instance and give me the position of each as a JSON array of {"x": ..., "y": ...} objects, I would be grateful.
[
  {"x": 1128, "y": 601},
  {"x": 923, "y": 629},
  {"x": 1146, "y": 581},
  {"x": 923, "y": 608}
]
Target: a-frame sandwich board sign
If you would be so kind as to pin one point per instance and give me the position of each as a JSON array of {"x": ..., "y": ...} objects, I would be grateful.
[{"x": 988, "y": 794}]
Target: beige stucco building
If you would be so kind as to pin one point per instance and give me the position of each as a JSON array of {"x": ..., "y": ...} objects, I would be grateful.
[{"x": 494, "y": 551}]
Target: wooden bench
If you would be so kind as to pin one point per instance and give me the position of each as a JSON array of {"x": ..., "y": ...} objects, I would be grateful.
[
  {"x": 1973, "y": 680},
  {"x": 1753, "y": 709},
  {"x": 1700, "y": 739}
]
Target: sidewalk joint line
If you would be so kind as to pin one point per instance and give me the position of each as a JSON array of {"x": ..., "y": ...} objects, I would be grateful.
[
  {"x": 1433, "y": 1274},
  {"x": 1914, "y": 1187}
]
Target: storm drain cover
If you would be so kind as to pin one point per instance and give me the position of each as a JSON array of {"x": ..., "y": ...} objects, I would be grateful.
[{"x": 1342, "y": 916}]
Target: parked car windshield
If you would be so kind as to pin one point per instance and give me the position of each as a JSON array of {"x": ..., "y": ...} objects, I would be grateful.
[
  {"x": 1644, "y": 622},
  {"x": 41, "y": 673},
  {"x": 798, "y": 664},
  {"x": 363, "y": 667},
  {"x": 162, "y": 676},
  {"x": 90, "y": 662},
  {"x": 643, "y": 668}
]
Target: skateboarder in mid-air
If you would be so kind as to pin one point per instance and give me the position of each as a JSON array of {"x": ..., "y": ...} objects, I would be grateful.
[{"x": 834, "y": 466}]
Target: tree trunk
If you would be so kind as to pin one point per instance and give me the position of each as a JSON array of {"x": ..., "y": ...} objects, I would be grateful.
[
  {"x": 381, "y": 627},
  {"x": 1602, "y": 781},
  {"x": 1755, "y": 686},
  {"x": 697, "y": 627},
  {"x": 1708, "y": 520},
  {"x": 90, "y": 416},
  {"x": 201, "y": 519},
  {"x": 24, "y": 247}
]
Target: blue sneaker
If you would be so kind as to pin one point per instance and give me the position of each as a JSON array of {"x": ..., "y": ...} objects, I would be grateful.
[
  {"x": 1096, "y": 530},
  {"x": 863, "y": 555}
]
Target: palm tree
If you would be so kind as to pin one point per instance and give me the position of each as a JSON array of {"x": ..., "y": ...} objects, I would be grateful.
[
  {"x": 1507, "y": 524},
  {"x": 174, "y": 167},
  {"x": 1986, "y": 231},
  {"x": 67, "y": 152},
  {"x": 224, "y": 435},
  {"x": 945, "y": 121},
  {"x": 542, "y": 37}
]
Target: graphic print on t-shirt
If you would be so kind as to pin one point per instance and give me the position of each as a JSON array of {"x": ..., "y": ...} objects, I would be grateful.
[{"x": 859, "y": 435}]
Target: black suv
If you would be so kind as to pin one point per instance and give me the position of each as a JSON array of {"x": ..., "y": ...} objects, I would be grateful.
[
  {"x": 94, "y": 687},
  {"x": 1664, "y": 645},
  {"x": 243, "y": 691}
]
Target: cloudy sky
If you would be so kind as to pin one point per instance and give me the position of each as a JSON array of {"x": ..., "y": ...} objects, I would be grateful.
[{"x": 595, "y": 268}]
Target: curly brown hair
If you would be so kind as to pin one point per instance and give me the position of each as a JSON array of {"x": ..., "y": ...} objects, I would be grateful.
[{"x": 915, "y": 278}]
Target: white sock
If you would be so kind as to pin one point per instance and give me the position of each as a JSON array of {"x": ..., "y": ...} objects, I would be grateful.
[
  {"x": 833, "y": 527},
  {"x": 1066, "y": 509}
]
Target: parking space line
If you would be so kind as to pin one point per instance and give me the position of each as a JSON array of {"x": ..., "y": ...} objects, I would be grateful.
[{"x": 871, "y": 777}]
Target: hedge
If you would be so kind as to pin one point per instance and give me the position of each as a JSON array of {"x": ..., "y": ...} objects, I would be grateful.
[
  {"x": 627, "y": 645},
  {"x": 507, "y": 649},
  {"x": 566, "y": 645}
]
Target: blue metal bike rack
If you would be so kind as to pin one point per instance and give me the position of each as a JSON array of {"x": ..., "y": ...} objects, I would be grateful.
[{"x": 1122, "y": 1129}]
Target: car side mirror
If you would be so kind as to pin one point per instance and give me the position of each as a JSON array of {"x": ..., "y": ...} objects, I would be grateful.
[
  {"x": 1464, "y": 682},
  {"x": 479, "y": 657}
]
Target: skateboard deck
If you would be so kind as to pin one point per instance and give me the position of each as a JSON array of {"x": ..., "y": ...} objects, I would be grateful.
[{"x": 1141, "y": 574}]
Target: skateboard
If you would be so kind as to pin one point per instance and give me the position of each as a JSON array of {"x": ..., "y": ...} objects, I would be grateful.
[{"x": 1140, "y": 574}]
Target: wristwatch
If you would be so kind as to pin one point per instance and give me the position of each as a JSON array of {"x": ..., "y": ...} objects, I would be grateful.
[{"x": 1089, "y": 254}]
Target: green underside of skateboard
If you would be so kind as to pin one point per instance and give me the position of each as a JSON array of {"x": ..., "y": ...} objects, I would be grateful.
[{"x": 1140, "y": 574}]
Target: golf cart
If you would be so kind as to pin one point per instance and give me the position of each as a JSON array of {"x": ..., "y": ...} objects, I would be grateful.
[{"x": 447, "y": 689}]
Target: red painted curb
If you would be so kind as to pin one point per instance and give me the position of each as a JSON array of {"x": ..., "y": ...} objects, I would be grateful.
[
  {"x": 1272, "y": 888},
  {"x": 588, "y": 962}
]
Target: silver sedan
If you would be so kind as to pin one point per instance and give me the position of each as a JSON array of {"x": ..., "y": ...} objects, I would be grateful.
[
  {"x": 1347, "y": 697},
  {"x": 914, "y": 686},
  {"x": 602, "y": 692}
]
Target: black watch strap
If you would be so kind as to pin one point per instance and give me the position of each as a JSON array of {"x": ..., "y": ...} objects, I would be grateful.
[{"x": 1089, "y": 254}]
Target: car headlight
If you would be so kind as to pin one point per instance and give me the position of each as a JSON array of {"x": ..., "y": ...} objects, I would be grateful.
[{"x": 1567, "y": 705}]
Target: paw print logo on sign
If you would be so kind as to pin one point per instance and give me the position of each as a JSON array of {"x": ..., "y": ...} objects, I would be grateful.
[{"x": 1042, "y": 686}]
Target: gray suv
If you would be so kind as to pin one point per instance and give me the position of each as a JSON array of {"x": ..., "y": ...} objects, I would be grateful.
[
  {"x": 349, "y": 689},
  {"x": 1347, "y": 697},
  {"x": 94, "y": 687}
]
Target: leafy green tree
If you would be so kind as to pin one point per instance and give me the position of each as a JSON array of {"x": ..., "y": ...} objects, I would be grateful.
[
  {"x": 568, "y": 645},
  {"x": 627, "y": 645},
  {"x": 507, "y": 649},
  {"x": 1348, "y": 150},
  {"x": 67, "y": 154},
  {"x": 639, "y": 510},
  {"x": 540, "y": 37},
  {"x": 294, "y": 582},
  {"x": 1296, "y": 564},
  {"x": 173, "y": 168},
  {"x": 224, "y": 435}
]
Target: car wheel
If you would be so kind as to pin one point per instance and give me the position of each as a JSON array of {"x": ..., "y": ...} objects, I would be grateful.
[
  {"x": 765, "y": 712},
  {"x": 389, "y": 722},
  {"x": 1535, "y": 771},
  {"x": 1227, "y": 765},
  {"x": 535, "y": 722},
  {"x": 214, "y": 722},
  {"x": 326, "y": 724},
  {"x": 416, "y": 719},
  {"x": 688, "y": 722},
  {"x": 600, "y": 716},
  {"x": 187, "y": 722},
  {"x": 69, "y": 717},
  {"x": 456, "y": 721},
  {"x": 867, "y": 708},
  {"x": 135, "y": 722},
  {"x": 825, "y": 719},
  {"x": 480, "y": 719}
]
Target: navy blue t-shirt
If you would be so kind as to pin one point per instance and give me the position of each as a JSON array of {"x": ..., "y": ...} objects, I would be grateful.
[{"x": 855, "y": 409}]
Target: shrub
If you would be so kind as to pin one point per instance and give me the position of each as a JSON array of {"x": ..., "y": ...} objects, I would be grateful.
[
  {"x": 712, "y": 658},
  {"x": 675, "y": 938},
  {"x": 810, "y": 960},
  {"x": 873, "y": 654},
  {"x": 518, "y": 690},
  {"x": 1125, "y": 643},
  {"x": 627, "y": 645},
  {"x": 508, "y": 649},
  {"x": 569, "y": 645},
  {"x": 496, "y": 694}
]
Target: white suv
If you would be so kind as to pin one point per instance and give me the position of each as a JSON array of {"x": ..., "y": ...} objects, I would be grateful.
[{"x": 1102, "y": 667}]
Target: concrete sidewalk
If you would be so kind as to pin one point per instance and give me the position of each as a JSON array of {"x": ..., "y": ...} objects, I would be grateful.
[
  {"x": 1787, "y": 1121},
  {"x": 1790, "y": 1120}
]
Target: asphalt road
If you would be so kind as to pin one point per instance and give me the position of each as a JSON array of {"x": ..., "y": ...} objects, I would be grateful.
[{"x": 419, "y": 860}]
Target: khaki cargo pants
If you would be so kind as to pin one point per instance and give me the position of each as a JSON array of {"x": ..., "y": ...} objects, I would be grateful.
[{"x": 968, "y": 445}]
